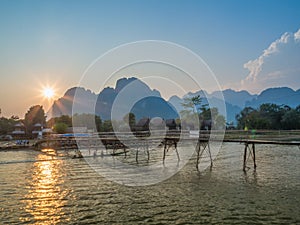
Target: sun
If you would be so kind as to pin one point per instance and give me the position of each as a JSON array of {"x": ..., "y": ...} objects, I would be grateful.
[{"x": 48, "y": 92}]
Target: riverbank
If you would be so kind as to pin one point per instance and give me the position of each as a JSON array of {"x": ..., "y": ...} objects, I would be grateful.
[{"x": 16, "y": 144}]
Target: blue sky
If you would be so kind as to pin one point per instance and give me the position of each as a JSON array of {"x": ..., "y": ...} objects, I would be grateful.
[{"x": 53, "y": 42}]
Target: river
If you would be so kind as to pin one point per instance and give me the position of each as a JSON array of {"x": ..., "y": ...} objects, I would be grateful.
[{"x": 38, "y": 188}]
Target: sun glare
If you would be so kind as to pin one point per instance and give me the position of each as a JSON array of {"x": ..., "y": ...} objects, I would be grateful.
[{"x": 48, "y": 92}]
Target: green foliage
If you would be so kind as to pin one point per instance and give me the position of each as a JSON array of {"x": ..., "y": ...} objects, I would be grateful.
[
  {"x": 7, "y": 125},
  {"x": 60, "y": 128},
  {"x": 107, "y": 126},
  {"x": 64, "y": 119},
  {"x": 90, "y": 121},
  {"x": 269, "y": 116},
  {"x": 291, "y": 119}
]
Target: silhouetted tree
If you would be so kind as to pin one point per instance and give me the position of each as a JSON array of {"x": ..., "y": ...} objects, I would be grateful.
[
  {"x": 207, "y": 117},
  {"x": 35, "y": 114},
  {"x": 189, "y": 116},
  {"x": 107, "y": 126},
  {"x": 192, "y": 103}
]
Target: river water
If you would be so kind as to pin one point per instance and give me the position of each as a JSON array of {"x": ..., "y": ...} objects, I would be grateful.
[{"x": 37, "y": 188}]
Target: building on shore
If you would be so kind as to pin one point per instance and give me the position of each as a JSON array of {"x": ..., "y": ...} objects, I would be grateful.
[{"x": 19, "y": 130}]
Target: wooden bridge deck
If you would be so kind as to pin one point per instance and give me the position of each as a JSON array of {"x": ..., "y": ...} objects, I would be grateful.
[{"x": 203, "y": 144}]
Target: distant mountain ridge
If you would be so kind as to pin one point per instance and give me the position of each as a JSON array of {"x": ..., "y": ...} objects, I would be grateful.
[
  {"x": 236, "y": 98},
  {"x": 278, "y": 95},
  {"x": 235, "y": 101}
]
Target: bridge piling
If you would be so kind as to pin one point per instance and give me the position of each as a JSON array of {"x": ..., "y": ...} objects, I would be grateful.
[
  {"x": 251, "y": 152},
  {"x": 245, "y": 156},
  {"x": 200, "y": 148},
  {"x": 169, "y": 142}
]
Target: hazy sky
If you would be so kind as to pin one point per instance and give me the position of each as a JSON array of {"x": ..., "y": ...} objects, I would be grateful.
[{"x": 249, "y": 45}]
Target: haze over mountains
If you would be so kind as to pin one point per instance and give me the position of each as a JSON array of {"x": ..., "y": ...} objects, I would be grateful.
[{"x": 151, "y": 104}]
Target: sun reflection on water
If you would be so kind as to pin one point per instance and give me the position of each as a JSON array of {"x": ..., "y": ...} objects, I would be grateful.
[{"x": 46, "y": 196}]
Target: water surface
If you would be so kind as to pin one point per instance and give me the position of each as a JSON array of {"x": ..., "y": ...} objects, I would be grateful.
[{"x": 41, "y": 188}]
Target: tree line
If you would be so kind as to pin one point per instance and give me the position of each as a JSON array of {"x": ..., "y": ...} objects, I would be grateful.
[
  {"x": 269, "y": 116},
  {"x": 34, "y": 115}
]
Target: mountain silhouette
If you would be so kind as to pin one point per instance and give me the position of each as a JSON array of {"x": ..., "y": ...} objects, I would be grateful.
[
  {"x": 154, "y": 107},
  {"x": 149, "y": 103},
  {"x": 101, "y": 104}
]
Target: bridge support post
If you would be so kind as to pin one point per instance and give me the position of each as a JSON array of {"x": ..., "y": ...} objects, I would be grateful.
[
  {"x": 253, "y": 151},
  {"x": 245, "y": 156},
  {"x": 165, "y": 149},
  {"x": 200, "y": 147},
  {"x": 167, "y": 144}
]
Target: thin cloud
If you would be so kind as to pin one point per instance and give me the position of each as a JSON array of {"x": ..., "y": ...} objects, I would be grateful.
[
  {"x": 257, "y": 78},
  {"x": 255, "y": 66}
]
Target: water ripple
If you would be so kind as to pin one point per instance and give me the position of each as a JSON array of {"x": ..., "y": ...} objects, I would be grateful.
[{"x": 39, "y": 188}]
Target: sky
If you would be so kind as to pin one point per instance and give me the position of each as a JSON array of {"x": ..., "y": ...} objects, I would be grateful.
[{"x": 249, "y": 45}]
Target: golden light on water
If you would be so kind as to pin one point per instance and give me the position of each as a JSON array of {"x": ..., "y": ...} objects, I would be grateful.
[{"x": 46, "y": 197}]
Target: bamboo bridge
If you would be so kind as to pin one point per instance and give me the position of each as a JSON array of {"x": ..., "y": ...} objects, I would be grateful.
[{"x": 144, "y": 140}]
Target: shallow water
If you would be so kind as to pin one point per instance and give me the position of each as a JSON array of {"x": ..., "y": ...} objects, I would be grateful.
[{"x": 38, "y": 188}]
